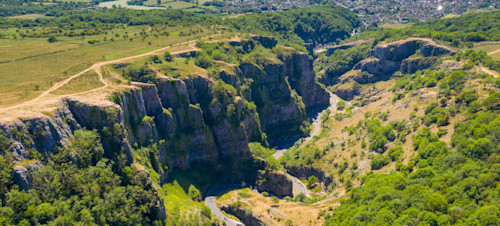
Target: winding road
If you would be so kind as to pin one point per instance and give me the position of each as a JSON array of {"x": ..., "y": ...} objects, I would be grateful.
[
  {"x": 210, "y": 202},
  {"x": 317, "y": 124},
  {"x": 298, "y": 186}
]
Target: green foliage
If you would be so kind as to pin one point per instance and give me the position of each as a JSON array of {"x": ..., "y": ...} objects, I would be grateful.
[
  {"x": 470, "y": 27},
  {"x": 258, "y": 150},
  {"x": 341, "y": 105},
  {"x": 306, "y": 25},
  {"x": 194, "y": 193},
  {"x": 99, "y": 22},
  {"x": 91, "y": 191},
  {"x": 341, "y": 61},
  {"x": 138, "y": 73},
  {"x": 448, "y": 186},
  {"x": 478, "y": 137},
  {"x": 379, "y": 161},
  {"x": 312, "y": 181},
  {"x": 52, "y": 39},
  {"x": 302, "y": 156},
  {"x": 203, "y": 60},
  {"x": 85, "y": 145},
  {"x": 168, "y": 57},
  {"x": 155, "y": 59},
  {"x": 418, "y": 80}
]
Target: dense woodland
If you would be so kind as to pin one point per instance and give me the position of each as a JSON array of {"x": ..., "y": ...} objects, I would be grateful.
[
  {"x": 308, "y": 25},
  {"x": 90, "y": 188}
]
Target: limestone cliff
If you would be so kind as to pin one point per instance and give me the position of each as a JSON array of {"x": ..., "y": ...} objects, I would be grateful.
[
  {"x": 275, "y": 183},
  {"x": 284, "y": 90},
  {"x": 391, "y": 57},
  {"x": 190, "y": 119}
]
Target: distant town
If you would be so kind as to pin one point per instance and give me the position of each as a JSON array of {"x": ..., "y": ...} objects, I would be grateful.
[{"x": 374, "y": 11}]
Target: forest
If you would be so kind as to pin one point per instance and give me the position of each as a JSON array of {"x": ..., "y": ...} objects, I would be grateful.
[{"x": 313, "y": 25}]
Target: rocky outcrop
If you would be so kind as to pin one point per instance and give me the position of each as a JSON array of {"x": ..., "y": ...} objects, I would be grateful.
[
  {"x": 304, "y": 173},
  {"x": 275, "y": 183},
  {"x": 301, "y": 76},
  {"x": 284, "y": 90},
  {"x": 21, "y": 173},
  {"x": 413, "y": 64},
  {"x": 391, "y": 57},
  {"x": 246, "y": 217},
  {"x": 378, "y": 67},
  {"x": 273, "y": 97},
  {"x": 266, "y": 41}
]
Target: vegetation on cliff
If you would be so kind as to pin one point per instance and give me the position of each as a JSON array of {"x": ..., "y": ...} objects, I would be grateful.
[
  {"x": 77, "y": 184},
  {"x": 316, "y": 25}
]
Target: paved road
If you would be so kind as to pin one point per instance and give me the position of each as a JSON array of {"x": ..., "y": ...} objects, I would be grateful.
[
  {"x": 317, "y": 124},
  {"x": 298, "y": 186},
  {"x": 210, "y": 202}
]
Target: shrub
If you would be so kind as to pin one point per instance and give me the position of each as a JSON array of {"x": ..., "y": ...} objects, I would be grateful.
[{"x": 379, "y": 161}]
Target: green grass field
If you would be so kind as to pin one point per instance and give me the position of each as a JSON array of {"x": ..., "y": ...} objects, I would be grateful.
[
  {"x": 31, "y": 65},
  {"x": 396, "y": 26},
  {"x": 85, "y": 82},
  {"x": 489, "y": 48},
  {"x": 29, "y": 16}
]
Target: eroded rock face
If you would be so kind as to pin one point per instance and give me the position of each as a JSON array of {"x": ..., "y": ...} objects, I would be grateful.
[
  {"x": 182, "y": 116},
  {"x": 302, "y": 78},
  {"x": 305, "y": 172},
  {"x": 391, "y": 57},
  {"x": 246, "y": 217},
  {"x": 413, "y": 64},
  {"x": 284, "y": 90},
  {"x": 275, "y": 183},
  {"x": 21, "y": 173}
]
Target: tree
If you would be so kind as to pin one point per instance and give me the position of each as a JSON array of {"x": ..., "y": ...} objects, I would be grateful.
[
  {"x": 341, "y": 105},
  {"x": 52, "y": 39},
  {"x": 311, "y": 181},
  {"x": 194, "y": 193},
  {"x": 168, "y": 57},
  {"x": 156, "y": 59}
]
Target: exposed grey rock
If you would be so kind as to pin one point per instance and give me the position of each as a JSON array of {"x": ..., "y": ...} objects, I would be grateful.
[
  {"x": 21, "y": 173},
  {"x": 275, "y": 183},
  {"x": 246, "y": 217}
]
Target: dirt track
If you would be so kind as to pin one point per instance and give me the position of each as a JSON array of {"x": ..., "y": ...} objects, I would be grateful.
[{"x": 40, "y": 99}]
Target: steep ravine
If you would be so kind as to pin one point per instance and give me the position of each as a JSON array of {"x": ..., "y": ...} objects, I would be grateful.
[
  {"x": 181, "y": 116},
  {"x": 297, "y": 185}
]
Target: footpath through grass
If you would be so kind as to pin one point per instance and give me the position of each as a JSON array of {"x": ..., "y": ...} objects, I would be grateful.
[{"x": 34, "y": 65}]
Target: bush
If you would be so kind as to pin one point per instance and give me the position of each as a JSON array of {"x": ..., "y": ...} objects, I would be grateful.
[
  {"x": 379, "y": 161},
  {"x": 341, "y": 105},
  {"x": 168, "y": 57},
  {"x": 312, "y": 181},
  {"x": 194, "y": 193},
  {"x": 52, "y": 39}
]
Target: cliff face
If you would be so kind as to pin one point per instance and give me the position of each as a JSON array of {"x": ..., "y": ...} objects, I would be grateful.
[
  {"x": 192, "y": 119},
  {"x": 305, "y": 172},
  {"x": 246, "y": 217},
  {"x": 275, "y": 183},
  {"x": 391, "y": 57},
  {"x": 284, "y": 90}
]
